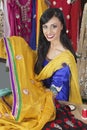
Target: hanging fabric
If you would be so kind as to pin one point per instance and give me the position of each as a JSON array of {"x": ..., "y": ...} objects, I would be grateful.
[
  {"x": 72, "y": 11},
  {"x": 33, "y": 30},
  {"x": 19, "y": 13},
  {"x": 6, "y": 20},
  {"x": 41, "y": 6},
  {"x": 82, "y": 54},
  {"x": 76, "y": 13},
  {"x": 1, "y": 20}
]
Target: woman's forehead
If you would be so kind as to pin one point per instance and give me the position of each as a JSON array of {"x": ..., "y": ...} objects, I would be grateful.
[{"x": 53, "y": 20}]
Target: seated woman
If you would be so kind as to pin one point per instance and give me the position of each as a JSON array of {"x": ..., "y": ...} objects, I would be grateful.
[
  {"x": 39, "y": 78},
  {"x": 55, "y": 50}
]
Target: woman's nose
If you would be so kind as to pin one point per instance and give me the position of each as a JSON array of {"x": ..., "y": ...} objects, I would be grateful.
[{"x": 49, "y": 30}]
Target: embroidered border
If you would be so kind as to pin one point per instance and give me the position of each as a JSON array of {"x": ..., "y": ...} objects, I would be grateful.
[{"x": 16, "y": 108}]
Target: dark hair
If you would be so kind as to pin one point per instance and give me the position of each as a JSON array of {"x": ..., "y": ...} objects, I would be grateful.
[{"x": 43, "y": 44}]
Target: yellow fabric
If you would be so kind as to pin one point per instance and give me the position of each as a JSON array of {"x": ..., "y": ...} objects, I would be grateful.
[
  {"x": 64, "y": 57},
  {"x": 2, "y": 53},
  {"x": 40, "y": 8},
  {"x": 37, "y": 106}
]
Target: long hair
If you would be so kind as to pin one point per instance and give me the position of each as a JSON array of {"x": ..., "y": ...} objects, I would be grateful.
[{"x": 43, "y": 44}]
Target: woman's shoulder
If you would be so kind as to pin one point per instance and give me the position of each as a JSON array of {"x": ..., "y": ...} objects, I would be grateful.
[{"x": 65, "y": 68}]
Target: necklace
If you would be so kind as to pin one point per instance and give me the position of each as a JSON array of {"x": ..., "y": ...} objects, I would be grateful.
[{"x": 24, "y": 9}]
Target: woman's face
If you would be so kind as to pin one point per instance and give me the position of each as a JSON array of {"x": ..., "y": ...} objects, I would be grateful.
[{"x": 52, "y": 29}]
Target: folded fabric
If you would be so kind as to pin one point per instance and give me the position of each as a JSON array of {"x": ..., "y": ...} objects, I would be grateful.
[{"x": 5, "y": 92}]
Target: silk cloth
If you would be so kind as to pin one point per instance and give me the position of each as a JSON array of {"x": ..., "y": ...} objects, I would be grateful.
[
  {"x": 40, "y": 8},
  {"x": 20, "y": 18},
  {"x": 31, "y": 106},
  {"x": 59, "y": 80}
]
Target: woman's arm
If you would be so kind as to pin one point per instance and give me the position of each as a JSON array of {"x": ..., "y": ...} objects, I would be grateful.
[{"x": 60, "y": 83}]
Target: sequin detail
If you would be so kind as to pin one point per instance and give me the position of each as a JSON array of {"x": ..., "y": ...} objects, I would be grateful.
[
  {"x": 19, "y": 57},
  {"x": 26, "y": 91}
]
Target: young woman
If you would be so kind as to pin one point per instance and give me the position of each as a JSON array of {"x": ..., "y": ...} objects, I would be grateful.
[
  {"x": 55, "y": 49},
  {"x": 39, "y": 78}
]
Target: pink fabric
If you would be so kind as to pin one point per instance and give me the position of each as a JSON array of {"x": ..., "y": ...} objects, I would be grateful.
[{"x": 20, "y": 25}]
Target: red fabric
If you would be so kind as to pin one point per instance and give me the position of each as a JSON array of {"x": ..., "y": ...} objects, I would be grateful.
[
  {"x": 72, "y": 10},
  {"x": 75, "y": 22},
  {"x": 66, "y": 8}
]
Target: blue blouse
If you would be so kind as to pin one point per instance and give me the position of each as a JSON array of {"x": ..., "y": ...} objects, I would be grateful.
[{"x": 59, "y": 82}]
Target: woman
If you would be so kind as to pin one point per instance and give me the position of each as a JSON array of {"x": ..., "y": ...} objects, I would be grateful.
[
  {"x": 55, "y": 45},
  {"x": 31, "y": 104}
]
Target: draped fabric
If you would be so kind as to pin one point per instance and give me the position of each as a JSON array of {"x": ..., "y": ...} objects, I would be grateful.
[
  {"x": 59, "y": 82},
  {"x": 76, "y": 14},
  {"x": 19, "y": 15},
  {"x": 6, "y": 20},
  {"x": 40, "y": 8},
  {"x": 32, "y": 42},
  {"x": 31, "y": 105},
  {"x": 64, "y": 57},
  {"x": 82, "y": 54},
  {"x": 72, "y": 14},
  {"x": 1, "y": 20}
]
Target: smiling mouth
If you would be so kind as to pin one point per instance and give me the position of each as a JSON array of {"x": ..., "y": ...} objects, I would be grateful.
[{"x": 49, "y": 36}]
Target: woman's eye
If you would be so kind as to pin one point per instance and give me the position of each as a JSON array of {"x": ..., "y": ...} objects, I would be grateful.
[{"x": 54, "y": 26}]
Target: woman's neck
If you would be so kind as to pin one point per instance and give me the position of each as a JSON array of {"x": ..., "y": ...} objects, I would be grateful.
[
  {"x": 56, "y": 46},
  {"x": 54, "y": 50}
]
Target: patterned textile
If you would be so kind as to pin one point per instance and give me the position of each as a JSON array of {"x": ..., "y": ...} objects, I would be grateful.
[
  {"x": 65, "y": 120},
  {"x": 82, "y": 54},
  {"x": 31, "y": 105},
  {"x": 72, "y": 14},
  {"x": 6, "y": 20},
  {"x": 28, "y": 106},
  {"x": 1, "y": 20},
  {"x": 19, "y": 14}
]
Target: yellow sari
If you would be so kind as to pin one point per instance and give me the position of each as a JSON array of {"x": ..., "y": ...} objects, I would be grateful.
[{"x": 31, "y": 105}]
